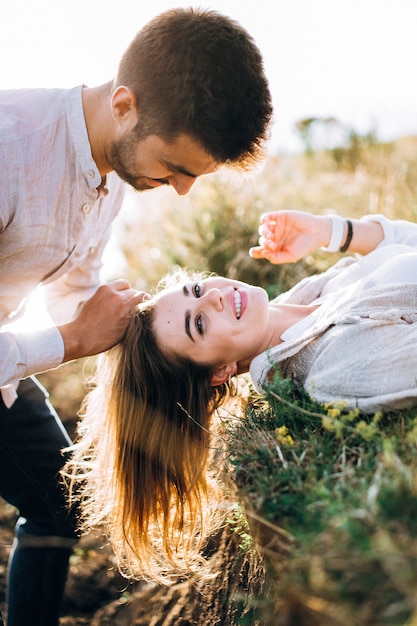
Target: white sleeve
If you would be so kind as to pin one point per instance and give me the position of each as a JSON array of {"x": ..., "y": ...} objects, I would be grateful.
[
  {"x": 395, "y": 231},
  {"x": 26, "y": 353}
]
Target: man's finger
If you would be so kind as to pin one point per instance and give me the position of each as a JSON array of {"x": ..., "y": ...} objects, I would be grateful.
[
  {"x": 141, "y": 296},
  {"x": 120, "y": 284}
]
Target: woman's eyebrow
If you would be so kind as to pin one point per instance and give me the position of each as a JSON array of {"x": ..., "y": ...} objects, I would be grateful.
[
  {"x": 186, "y": 292},
  {"x": 187, "y": 324}
]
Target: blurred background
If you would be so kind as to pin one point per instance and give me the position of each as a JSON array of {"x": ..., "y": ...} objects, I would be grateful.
[
  {"x": 344, "y": 139},
  {"x": 341, "y": 76},
  {"x": 349, "y": 59}
]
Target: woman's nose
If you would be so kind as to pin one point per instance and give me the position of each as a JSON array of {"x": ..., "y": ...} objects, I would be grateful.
[{"x": 215, "y": 298}]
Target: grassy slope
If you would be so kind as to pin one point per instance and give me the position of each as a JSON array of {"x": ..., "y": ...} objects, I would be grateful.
[
  {"x": 331, "y": 502},
  {"x": 331, "y": 498}
]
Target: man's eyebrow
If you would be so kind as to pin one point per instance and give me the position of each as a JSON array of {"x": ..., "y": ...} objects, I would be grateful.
[
  {"x": 178, "y": 168},
  {"x": 186, "y": 292}
]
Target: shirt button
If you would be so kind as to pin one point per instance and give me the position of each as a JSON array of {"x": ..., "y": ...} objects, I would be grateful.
[
  {"x": 90, "y": 174},
  {"x": 86, "y": 208}
]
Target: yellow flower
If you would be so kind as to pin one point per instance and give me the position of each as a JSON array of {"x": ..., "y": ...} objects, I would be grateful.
[{"x": 283, "y": 436}]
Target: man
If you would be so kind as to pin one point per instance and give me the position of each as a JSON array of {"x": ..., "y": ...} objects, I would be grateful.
[{"x": 190, "y": 95}]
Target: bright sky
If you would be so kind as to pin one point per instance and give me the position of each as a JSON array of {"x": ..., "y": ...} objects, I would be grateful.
[{"x": 353, "y": 60}]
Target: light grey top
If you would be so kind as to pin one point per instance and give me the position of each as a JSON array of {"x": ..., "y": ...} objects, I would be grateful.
[{"x": 360, "y": 344}]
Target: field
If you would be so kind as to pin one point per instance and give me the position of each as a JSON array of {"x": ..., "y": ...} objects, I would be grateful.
[{"x": 323, "y": 506}]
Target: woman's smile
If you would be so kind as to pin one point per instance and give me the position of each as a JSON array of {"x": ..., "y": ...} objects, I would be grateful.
[
  {"x": 211, "y": 321},
  {"x": 240, "y": 301}
]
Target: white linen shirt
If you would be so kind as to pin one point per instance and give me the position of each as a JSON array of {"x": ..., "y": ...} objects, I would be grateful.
[
  {"x": 360, "y": 345},
  {"x": 55, "y": 219}
]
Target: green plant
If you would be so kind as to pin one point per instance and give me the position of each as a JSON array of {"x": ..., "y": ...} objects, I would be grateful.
[
  {"x": 338, "y": 487},
  {"x": 329, "y": 495}
]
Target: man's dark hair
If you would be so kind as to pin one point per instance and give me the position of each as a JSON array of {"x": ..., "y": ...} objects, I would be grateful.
[{"x": 200, "y": 73}]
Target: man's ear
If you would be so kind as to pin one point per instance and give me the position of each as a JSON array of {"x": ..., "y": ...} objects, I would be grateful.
[
  {"x": 223, "y": 373},
  {"x": 123, "y": 104}
]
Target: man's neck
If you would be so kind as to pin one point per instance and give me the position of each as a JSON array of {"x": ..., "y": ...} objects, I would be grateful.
[{"x": 97, "y": 114}]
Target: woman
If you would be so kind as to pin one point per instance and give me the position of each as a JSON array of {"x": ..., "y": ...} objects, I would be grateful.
[
  {"x": 139, "y": 467},
  {"x": 345, "y": 335}
]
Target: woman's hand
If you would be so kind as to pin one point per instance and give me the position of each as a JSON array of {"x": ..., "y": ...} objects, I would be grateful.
[{"x": 287, "y": 236}]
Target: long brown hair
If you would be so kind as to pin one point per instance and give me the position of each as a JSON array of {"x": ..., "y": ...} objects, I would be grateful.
[
  {"x": 198, "y": 72},
  {"x": 141, "y": 463}
]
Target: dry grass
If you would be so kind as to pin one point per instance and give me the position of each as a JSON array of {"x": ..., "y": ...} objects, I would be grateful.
[{"x": 334, "y": 516}]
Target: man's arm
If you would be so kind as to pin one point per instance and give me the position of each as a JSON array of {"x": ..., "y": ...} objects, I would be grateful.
[
  {"x": 98, "y": 325},
  {"x": 26, "y": 353},
  {"x": 100, "y": 321}
]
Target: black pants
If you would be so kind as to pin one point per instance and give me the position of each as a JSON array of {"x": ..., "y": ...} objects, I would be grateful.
[{"x": 31, "y": 442}]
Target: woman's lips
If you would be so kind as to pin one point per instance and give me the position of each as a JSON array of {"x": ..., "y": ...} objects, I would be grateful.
[{"x": 239, "y": 302}]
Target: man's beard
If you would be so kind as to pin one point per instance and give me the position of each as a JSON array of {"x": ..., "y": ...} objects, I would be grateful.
[{"x": 122, "y": 159}]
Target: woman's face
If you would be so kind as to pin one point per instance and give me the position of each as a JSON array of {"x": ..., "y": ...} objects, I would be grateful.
[{"x": 212, "y": 322}]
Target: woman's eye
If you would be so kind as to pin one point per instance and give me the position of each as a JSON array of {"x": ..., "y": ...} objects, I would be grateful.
[
  {"x": 199, "y": 324},
  {"x": 197, "y": 290}
]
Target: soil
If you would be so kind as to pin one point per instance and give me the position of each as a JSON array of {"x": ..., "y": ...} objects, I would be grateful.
[{"x": 96, "y": 593}]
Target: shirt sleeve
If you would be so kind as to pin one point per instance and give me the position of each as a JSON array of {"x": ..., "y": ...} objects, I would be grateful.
[
  {"x": 27, "y": 353},
  {"x": 5, "y": 203},
  {"x": 395, "y": 231},
  {"x": 63, "y": 296}
]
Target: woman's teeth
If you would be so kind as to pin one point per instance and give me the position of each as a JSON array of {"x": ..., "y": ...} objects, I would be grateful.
[{"x": 238, "y": 304}]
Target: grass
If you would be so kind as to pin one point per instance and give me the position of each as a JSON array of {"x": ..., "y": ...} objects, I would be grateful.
[
  {"x": 328, "y": 497},
  {"x": 331, "y": 501}
]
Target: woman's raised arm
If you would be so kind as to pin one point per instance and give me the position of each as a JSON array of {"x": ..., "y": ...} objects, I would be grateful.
[{"x": 287, "y": 236}]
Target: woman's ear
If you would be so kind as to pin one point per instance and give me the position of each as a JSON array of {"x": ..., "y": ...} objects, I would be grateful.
[{"x": 223, "y": 373}]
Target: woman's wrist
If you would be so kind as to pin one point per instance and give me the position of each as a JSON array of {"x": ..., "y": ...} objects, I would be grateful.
[
  {"x": 349, "y": 236},
  {"x": 339, "y": 234},
  {"x": 356, "y": 236}
]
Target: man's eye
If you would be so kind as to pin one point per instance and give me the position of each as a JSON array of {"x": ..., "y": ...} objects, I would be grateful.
[
  {"x": 197, "y": 290},
  {"x": 199, "y": 324}
]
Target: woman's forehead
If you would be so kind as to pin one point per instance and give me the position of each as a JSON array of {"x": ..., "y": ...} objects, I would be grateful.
[
  {"x": 179, "y": 287},
  {"x": 171, "y": 289}
]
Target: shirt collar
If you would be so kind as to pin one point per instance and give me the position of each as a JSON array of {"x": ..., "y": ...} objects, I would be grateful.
[{"x": 79, "y": 137}]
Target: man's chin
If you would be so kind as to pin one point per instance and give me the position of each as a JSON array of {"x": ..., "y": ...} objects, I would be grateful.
[
  {"x": 137, "y": 184},
  {"x": 140, "y": 186}
]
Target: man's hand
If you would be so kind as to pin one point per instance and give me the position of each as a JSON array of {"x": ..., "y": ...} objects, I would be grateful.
[
  {"x": 287, "y": 236},
  {"x": 100, "y": 321}
]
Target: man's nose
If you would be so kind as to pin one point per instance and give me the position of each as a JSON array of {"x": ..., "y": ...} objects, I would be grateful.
[{"x": 181, "y": 183}]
